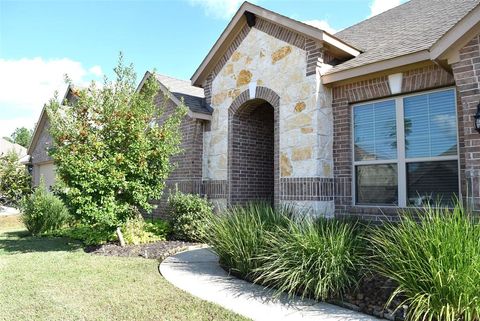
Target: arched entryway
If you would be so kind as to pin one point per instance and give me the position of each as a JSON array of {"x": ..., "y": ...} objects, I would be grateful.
[{"x": 253, "y": 147}]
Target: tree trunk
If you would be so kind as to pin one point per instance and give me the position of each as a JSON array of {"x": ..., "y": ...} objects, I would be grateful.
[{"x": 120, "y": 237}]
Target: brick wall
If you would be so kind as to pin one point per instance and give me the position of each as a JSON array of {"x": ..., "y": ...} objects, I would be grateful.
[
  {"x": 467, "y": 77},
  {"x": 187, "y": 175},
  {"x": 418, "y": 79},
  {"x": 252, "y": 154}
]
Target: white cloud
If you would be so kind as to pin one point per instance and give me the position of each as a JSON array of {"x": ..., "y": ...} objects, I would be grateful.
[
  {"x": 96, "y": 70},
  {"x": 379, "y": 6},
  {"x": 321, "y": 24},
  {"x": 27, "y": 84},
  {"x": 221, "y": 9}
]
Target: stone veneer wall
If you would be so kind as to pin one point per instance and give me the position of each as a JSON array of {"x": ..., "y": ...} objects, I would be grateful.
[
  {"x": 467, "y": 78},
  {"x": 418, "y": 79},
  {"x": 279, "y": 60}
]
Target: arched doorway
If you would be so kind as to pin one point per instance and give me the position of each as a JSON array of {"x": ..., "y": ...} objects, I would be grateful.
[{"x": 252, "y": 152}]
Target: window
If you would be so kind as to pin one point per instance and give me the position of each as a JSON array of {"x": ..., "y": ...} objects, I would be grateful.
[{"x": 405, "y": 150}]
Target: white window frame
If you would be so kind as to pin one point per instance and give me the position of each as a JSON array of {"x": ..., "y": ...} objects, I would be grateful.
[{"x": 401, "y": 160}]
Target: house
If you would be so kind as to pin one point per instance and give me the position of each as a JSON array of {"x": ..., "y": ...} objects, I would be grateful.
[
  {"x": 375, "y": 117},
  {"x": 8, "y": 147}
]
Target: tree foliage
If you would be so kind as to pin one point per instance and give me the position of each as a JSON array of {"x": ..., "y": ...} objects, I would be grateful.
[
  {"x": 111, "y": 151},
  {"x": 15, "y": 180},
  {"x": 22, "y": 136}
]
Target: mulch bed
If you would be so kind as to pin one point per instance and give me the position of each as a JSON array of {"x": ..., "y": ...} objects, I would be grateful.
[{"x": 157, "y": 250}]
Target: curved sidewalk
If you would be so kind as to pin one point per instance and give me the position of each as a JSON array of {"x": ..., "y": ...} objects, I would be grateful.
[{"x": 198, "y": 272}]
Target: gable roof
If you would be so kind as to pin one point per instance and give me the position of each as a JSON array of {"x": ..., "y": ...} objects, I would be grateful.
[
  {"x": 413, "y": 28},
  {"x": 70, "y": 96},
  {"x": 178, "y": 89},
  {"x": 239, "y": 20},
  {"x": 38, "y": 130}
]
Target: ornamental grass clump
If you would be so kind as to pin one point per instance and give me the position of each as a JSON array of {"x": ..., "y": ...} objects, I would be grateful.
[
  {"x": 315, "y": 258},
  {"x": 238, "y": 235},
  {"x": 434, "y": 257}
]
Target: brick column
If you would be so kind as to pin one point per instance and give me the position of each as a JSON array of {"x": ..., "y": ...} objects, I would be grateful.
[{"x": 467, "y": 75}]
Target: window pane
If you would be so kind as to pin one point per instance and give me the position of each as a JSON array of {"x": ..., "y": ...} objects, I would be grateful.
[
  {"x": 432, "y": 182},
  {"x": 375, "y": 131},
  {"x": 430, "y": 125},
  {"x": 377, "y": 184}
]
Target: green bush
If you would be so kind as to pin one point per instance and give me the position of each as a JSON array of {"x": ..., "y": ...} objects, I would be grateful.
[
  {"x": 43, "y": 212},
  {"x": 435, "y": 261},
  {"x": 320, "y": 258},
  {"x": 159, "y": 227},
  {"x": 187, "y": 213},
  {"x": 238, "y": 234},
  {"x": 137, "y": 231},
  {"x": 88, "y": 234},
  {"x": 14, "y": 180}
]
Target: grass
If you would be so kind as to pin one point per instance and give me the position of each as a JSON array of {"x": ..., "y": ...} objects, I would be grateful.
[
  {"x": 319, "y": 259},
  {"x": 53, "y": 279},
  {"x": 238, "y": 235},
  {"x": 292, "y": 254},
  {"x": 435, "y": 262}
]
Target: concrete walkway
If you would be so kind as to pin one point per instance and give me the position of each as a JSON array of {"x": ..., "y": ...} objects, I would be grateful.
[
  {"x": 198, "y": 273},
  {"x": 7, "y": 211}
]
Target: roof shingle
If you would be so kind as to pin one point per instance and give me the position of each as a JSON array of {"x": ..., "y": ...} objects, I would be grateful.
[
  {"x": 193, "y": 97},
  {"x": 411, "y": 27}
]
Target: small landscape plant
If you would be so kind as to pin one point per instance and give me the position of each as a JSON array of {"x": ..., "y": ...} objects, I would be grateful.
[
  {"x": 137, "y": 231},
  {"x": 238, "y": 234},
  {"x": 187, "y": 213},
  {"x": 43, "y": 212},
  {"x": 435, "y": 261},
  {"x": 317, "y": 258},
  {"x": 90, "y": 235}
]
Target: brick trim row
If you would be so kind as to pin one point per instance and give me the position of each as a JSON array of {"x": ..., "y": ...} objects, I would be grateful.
[{"x": 307, "y": 189}]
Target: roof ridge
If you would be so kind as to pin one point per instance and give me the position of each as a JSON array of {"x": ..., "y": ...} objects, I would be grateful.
[{"x": 174, "y": 78}]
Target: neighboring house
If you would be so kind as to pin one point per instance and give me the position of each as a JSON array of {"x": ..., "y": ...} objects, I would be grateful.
[
  {"x": 378, "y": 116},
  {"x": 8, "y": 147},
  {"x": 40, "y": 161}
]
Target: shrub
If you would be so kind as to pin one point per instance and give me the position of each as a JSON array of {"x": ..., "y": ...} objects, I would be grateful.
[
  {"x": 14, "y": 180},
  {"x": 238, "y": 234},
  {"x": 159, "y": 227},
  {"x": 187, "y": 213},
  {"x": 88, "y": 234},
  {"x": 435, "y": 261},
  {"x": 319, "y": 258},
  {"x": 43, "y": 212},
  {"x": 137, "y": 231},
  {"x": 111, "y": 151}
]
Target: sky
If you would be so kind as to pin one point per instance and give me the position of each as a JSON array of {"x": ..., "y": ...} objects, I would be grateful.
[{"x": 41, "y": 41}]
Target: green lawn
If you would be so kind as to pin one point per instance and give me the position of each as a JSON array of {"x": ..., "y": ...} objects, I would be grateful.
[{"x": 53, "y": 279}]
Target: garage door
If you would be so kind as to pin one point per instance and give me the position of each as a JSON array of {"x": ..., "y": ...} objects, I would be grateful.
[{"x": 47, "y": 171}]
